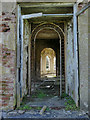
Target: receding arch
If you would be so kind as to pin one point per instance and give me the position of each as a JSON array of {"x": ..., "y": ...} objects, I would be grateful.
[
  {"x": 47, "y": 62},
  {"x": 53, "y": 26},
  {"x": 34, "y": 34}
]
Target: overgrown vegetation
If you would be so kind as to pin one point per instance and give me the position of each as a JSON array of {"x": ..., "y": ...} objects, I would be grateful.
[
  {"x": 39, "y": 94},
  {"x": 69, "y": 104},
  {"x": 28, "y": 107},
  {"x": 64, "y": 95}
]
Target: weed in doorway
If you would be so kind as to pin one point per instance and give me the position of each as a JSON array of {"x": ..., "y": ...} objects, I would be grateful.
[
  {"x": 70, "y": 104},
  {"x": 26, "y": 107},
  {"x": 64, "y": 95},
  {"x": 39, "y": 94},
  {"x": 47, "y": 109},
  {"x": 38, "y": 108}
]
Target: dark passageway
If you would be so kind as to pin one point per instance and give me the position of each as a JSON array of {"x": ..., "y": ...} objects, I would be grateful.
[{"x": 47, "y": 38}]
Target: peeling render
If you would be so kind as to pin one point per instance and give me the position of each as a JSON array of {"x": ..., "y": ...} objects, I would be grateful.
[
  {"x": 70, "y": 73},
  {"x": 83, "y": 58},
  {"x": 26, "y": 39},
  {"x": 8, "y": 57}
]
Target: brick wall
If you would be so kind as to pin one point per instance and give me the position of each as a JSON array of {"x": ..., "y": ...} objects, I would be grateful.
[{"x": 7, "y": 82}]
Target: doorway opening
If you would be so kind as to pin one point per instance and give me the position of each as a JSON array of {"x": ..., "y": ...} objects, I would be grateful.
[
  {"x": 45, "y": 31},
  {"x": 47, "y": 49}
]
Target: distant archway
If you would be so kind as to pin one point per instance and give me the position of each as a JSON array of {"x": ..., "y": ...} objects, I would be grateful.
[{"x": 48, "y": 63}]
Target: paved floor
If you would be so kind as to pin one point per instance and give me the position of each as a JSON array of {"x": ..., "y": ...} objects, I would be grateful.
[
  {"x": 50, "y": 99},
  {"x": 47, "y": 114},
  {"x": 57, "y": 110}
]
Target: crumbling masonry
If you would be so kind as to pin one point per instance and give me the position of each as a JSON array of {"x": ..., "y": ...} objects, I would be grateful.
[{"x": 29, "y": 28}]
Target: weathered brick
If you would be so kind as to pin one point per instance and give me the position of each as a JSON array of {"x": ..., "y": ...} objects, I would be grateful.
[
  {"x": 6, "y": 82},
  {"x": 12, "y": 70},
  {"x": 6, "y": 29},
  {"x": 4, "y": 104},
  {"x": 4, "y": 88},
  {"x": 7, "y": 19},
  {"x": 3, "y": 13},
  {"x": 6, "y": 95},
  {"x": 5, "y": 98}
]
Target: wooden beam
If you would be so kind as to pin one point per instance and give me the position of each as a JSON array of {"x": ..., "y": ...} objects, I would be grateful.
[{"x": 43, "y": 109}]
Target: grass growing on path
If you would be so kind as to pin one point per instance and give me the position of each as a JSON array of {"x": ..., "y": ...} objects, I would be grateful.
[
  {"x": 39, "y": 94},
  {"x": 69, "y": 104},
  {"x": 28, "y": 107}
]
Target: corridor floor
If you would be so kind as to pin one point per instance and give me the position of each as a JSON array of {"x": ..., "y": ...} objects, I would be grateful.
[{"x": 55, "y": 106}]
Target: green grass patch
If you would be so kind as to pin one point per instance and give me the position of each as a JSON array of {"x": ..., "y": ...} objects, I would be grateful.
[
  {"x": 39, "y": 94},
  {"x": 64, "y": 95},
  {"x": 47, "y": 109},
  {"x": 38, "y": 108},
  {"x": 26, "y": 107},
  {"x": 70, "y": 104}
]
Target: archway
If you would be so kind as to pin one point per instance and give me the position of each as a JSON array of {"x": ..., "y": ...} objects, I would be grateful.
[
  {"x": 48, "y": 63},
  {"x": 61, "y": 37}
]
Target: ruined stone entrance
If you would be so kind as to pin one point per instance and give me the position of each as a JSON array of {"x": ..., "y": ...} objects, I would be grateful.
[
  {"x": 50, "y": 29},
  {"x": 30, "y": 29}
]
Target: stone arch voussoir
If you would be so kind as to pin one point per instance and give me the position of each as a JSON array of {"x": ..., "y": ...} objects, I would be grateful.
[{"x": 47, "y": 25}]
